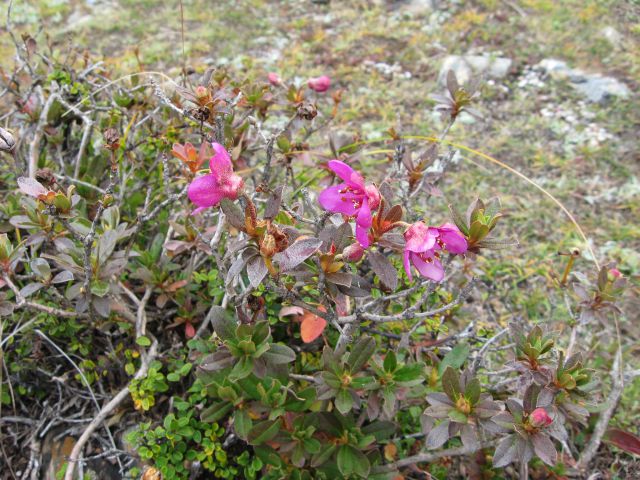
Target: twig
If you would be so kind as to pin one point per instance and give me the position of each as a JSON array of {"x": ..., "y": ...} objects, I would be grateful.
[
  {"x": 478, "y": 358},
  {"x": 23, "y": 302},
  {"x": 430, "y": 457},
  {"x": 34, "y": 148},
  {"x": 84, "y": 379},
  {"x": 74, "y": 457}
]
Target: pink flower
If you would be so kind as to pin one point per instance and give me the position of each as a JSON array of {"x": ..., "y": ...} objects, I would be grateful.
[
  {"x": 208, "y": 190},
  {"x": 352, "y": 198},
  {"x": 450, "y": 238},
  {"x": 319, "y": 84},
  {"x": 540, "y": 418},
  {"x": 274, "y": 79},
  {"x": 422, "y": 248}
]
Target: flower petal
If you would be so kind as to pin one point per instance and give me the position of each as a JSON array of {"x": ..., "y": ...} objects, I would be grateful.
[
  {"x": 453, "y": 239},
  {"x": 362, "y": 235},
  {"x": 347, "y": 174},
  {"x": 407, "y": 264},
  {"x": 364, "y": 214},
  {"x": 205, "y": 192},
  {"x": 333, "y": 201},
  {"x": 419, "y": 238},
  {"x": 220, "y": 163},
  {"x": 432, "y": 270}
]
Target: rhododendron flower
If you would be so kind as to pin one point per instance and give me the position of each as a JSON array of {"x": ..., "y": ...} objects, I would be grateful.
[
  {"x": 352, "y": 198},
  {"x": 450, "y": 238},
  {"x": 274, "y": 79},
  {"x": 422, "y": 248},
  {"x": 540, "y": 418},
  {"x": 222, "y": 182},
  {"x": 319, "y": 84}
]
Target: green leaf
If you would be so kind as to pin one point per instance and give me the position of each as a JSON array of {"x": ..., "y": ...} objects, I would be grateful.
[
  {"x": 344, "y": 401},
  {"x": 351, "y": 460},
  {"x": 323, "y": 455},
  {"x": 457, "y": 416},
  {"x": 451, "y": 383},
  {"x": 242, "y": 423},
  {"x": 223, "y": 324},
  {"x": 381, "y": 430},
  {"x": 242, "y": 369},
  {"x": 390, "y": 362},
  {"x": 99, "y": 288},
  {"x": 215, "y": 412},
  {"x": 411, "y": 373},
  {"x": 143, "y": 341},
  {"x": 263, "y": 432},
  {"x": 455, "y": 358},
  {"x": 472, "y": 391},
  {"x": 279, "y": 354},
  {"x": 361, "y": 352},
  {"x": 268, "y": 455}
]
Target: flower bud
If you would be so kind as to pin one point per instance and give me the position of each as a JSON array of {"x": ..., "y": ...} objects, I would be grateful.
[
  {"x": 319, "y": 84},
  {"x": 615, "y": 273},
  {"x": 7, "y": 142},
  {"x": 274, "y": 79},
  {"x": 540, "y": 418},
  {"x": 353, "y": 252}
]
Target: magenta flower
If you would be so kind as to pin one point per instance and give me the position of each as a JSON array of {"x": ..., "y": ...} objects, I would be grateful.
[
  {"x": 274, "y": 79},
  {"x": 319, "y": 84},
  {"x": 352, "y": 198},
  {"x": 222, "y": 182},
  {"x": 540, "y": 418},
  {"x": 450, "y": 238},
  {"x": 422, "y": 248}
]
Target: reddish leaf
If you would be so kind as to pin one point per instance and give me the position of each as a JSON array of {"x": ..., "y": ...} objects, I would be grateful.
[
  {"x": 312, "y": 327},
  {"x": 189, "y": 331},
  {"x": 624, "y": 440}
]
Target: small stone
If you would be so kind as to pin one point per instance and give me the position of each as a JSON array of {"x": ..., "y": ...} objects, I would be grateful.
[
  {"x": 597, "y": 88},
  {"x": 613, "y": 36},
  {"x": 593, "y": 86},
  {"x": 468, "y": 65}
]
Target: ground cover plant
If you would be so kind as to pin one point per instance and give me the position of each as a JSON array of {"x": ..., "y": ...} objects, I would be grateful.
[{"x": 228, "y": 272}]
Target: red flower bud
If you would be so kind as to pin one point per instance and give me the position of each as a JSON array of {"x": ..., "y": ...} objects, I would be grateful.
[
  {"x": 540, "y": 418},
  {"x": 319, "y": 84},
  {"x": 353, "y": 252},
  {"x": 274, "y": 79}
]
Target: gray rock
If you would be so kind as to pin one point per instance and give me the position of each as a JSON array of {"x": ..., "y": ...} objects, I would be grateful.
[
  {"x": 418, "y": 7},
  {"x": 468, "y": 65},
  {"x": 613, "y": 36},
  {"x": 593, "y": 86},
  {"x": 597, "y": 88}
]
